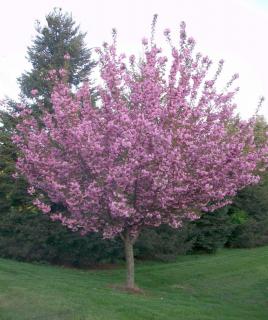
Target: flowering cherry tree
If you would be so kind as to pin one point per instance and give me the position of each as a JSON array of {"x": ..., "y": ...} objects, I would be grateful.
[{"x": 161, "y": 146}]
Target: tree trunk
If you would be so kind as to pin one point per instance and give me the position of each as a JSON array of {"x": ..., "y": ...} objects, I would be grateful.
[{"x": 128, "y": 242}]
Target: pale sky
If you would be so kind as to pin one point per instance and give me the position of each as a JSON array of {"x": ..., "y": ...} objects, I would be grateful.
[{"x": 235, "y": 30}]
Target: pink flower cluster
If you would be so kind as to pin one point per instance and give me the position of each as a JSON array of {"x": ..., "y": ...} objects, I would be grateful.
[
  {"x": 67, "y": 56},
  {"x": 34, "y": 92},
  {"x": 161, "y": 146},
  {"x": 42, "y": 206}
]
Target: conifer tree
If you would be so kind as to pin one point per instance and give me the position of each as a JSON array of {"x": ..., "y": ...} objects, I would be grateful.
[{"x": 58, "y": 44}]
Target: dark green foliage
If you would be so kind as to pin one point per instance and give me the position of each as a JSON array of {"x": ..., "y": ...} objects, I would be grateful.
[
  {"x": 212, "y": 230},
  {"x": 254, "y": 199},
  {"x": 250, "y": 216},
  {"x": 33, "y": 237},
  {"x": 250, "y": 234},
  {"x": 165, "y": 243},
  {"x": 12, "y": 191},
  {"x": 59, "y": 36}
]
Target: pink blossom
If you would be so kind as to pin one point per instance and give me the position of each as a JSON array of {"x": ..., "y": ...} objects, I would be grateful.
[
  {"x": 31, "y": 190},
  {"x": 34, "y": 92},
  {"x": 67, "y": 56},
  {"x": 42, "y": 206},
  {"x": 62, "y": 72},
  {"x": 191, "y": 41}
]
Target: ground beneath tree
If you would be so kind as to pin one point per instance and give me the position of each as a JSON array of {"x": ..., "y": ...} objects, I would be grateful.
[{"x": 231, "y": 285}]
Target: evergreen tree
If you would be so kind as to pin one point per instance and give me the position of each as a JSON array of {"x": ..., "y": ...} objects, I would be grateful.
[
  {"x": 11, "y": 193},
  {"x": 212, "y": 230},
  {"x": 59, "y": 43}
]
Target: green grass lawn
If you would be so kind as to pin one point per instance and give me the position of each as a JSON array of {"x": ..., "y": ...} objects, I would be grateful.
[{"x": 231, "y": 285}]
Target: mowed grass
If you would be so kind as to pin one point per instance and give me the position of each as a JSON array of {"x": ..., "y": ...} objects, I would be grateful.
[{"x": 231, "y": 285}]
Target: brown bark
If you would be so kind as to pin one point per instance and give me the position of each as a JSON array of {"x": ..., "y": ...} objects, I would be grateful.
[{"x": 129, "y": 255}]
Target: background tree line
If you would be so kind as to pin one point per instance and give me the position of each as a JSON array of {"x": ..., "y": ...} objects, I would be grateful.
[{"x": 26, "y": 234}]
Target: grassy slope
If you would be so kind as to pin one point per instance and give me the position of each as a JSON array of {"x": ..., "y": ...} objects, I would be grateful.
[{"x": 230, "y": 285}]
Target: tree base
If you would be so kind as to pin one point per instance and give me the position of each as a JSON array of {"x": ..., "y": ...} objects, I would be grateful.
[{"x": 124, "y": 288}]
